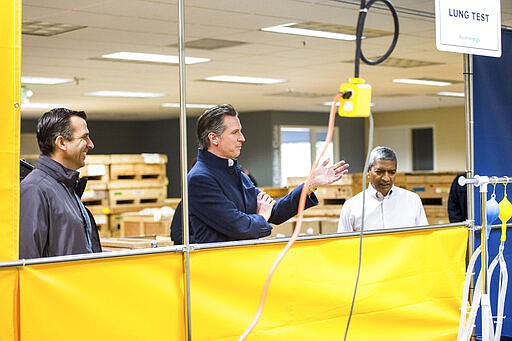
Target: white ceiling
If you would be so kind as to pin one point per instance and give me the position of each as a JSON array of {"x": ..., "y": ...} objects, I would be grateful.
[{"x": 310, "y": 65}]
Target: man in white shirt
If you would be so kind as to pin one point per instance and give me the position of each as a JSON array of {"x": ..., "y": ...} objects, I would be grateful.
[{"x": 386, "y": 206}]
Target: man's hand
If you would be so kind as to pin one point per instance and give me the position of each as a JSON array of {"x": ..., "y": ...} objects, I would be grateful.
[
  {"x": 264, "y": 205},
  {"x": 324, "y": 175}
]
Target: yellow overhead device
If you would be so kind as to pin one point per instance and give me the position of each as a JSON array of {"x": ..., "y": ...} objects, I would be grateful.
[{"x": 355, "y": 99}]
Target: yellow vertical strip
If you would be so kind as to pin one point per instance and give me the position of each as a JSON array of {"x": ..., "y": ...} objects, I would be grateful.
[
  {"x": 10, "y": 69},
  {"x": 9, "y": 308}
]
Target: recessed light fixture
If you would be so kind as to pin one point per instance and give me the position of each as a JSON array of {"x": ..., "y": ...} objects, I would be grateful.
[
  {"x": 40, "y": 105},
  {"x": 244, "y": 79},
  {"x": 450, "y": 94},
  {"x": 286, "y": 28},
  {"x": 430, "y": 82},
  {"x": 189, "y": 105},
  {"x": 47, "y": 29},
  {"x": 125, "y": 94},
  {"x": 45, "y": 80},
  {"x": 151, "y": 58}
]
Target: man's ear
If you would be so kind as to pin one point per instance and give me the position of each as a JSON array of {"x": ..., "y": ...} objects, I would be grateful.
[
  {"x": 60, "y": 142},
  {"x": 213, "y": 138}
]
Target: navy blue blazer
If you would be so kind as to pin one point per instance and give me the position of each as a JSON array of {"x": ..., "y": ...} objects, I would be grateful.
[{"x": 222, "y": 204}]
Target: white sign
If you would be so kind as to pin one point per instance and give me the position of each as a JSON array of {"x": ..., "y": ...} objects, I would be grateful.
[{"x": 469, "y": 26}]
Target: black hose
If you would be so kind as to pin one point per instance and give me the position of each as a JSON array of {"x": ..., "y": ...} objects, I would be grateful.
[{"x": 363, "y": 11}]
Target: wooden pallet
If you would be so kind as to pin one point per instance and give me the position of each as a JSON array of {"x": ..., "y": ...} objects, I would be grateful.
[
  {"x": 102, "y": 223},
  {"x": 436, "y": 211},
  {"x": 434, "y": 199},
  {"x": 115, "y": 244},
  {"x": 172, "y": 202},
  {"x": 137, "y": 171},
  {"x": 294, "y": 181},
  {"x": 137, "y": 196},
  {"x": 98, "y": 209},
  {"x": 323, "y": 211},
  {"x": 334, "y": 192},
  {"x": 145, "y": 183},
  {"x": 144, "y": 225},
  {"x": 96, "y": 201},
  {"x": 148, "y": 158},
  {"x": 328, "y": 225},
  {"x": 97, "y": 159},
  {"x": 95, "y": 172}
]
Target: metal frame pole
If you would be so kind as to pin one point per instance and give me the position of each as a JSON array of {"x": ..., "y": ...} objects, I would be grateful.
[{"x": 184, "y": 170}]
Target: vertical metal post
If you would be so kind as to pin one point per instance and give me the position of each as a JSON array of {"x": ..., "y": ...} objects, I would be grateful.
[
  {"x": 470, "y": 162},
  {"x": 470, "y": 170},
  {"x": 184, "y": 163},
  {"x": 483, "y": 239},
  {"x": 485, "y": 299}
]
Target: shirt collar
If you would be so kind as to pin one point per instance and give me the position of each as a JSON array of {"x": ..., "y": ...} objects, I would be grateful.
[
  {"x": 375, "y": 194},
  {"x": 57, "y": 171},
  {"x": 214, "y": 160}
]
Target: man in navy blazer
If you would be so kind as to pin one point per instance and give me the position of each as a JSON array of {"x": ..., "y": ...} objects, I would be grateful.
[{"x": 224, "y": 204}]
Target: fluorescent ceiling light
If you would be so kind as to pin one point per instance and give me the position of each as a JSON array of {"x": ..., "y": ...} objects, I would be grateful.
[
  {"x": 152, "y": 58},
  {"x": 244, "y": 79},
  {"x": 285, "y": 28},
  {"x": 126, "y": 94},
  {"x": 45, "y": 80},
  {"x": 189, "y": 105},
  {"x": 40, "y": 105},
  {"x": 450, "y": 94},
  {"x": 421, "y": 82}
]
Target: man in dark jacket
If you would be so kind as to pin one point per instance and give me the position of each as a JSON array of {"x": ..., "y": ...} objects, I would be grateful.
[
  {"x": 53, "y": 220},
  {"x": 224, "y": 204},
  {"x": 457, "y": 201}
]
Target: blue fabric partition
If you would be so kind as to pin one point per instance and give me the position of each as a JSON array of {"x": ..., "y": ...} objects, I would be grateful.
[{"x": 492, "y": 100}]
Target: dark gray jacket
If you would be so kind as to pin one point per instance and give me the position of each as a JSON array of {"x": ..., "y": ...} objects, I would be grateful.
[{"x": 51, "y": 222}]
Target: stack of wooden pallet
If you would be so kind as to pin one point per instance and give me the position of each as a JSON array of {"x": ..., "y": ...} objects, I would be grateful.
[
  {"x": 433, "y": 189},
  {"x": 120, "y": 183},
  {"x": 330, "y": 197}
]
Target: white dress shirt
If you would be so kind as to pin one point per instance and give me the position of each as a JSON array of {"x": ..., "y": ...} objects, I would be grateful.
[{"x": 399, "y": 208}]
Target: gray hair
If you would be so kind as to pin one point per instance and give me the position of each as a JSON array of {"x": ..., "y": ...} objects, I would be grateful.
[
  {"x": 212, "y": 121},
  {"x": 381, "y": 153}
]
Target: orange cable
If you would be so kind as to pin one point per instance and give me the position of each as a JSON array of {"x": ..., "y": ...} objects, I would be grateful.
[{"x": 298, "y": 226}]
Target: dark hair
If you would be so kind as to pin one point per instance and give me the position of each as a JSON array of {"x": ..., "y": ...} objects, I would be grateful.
[
  {"x": 212, "y": 121},
  {"x": 381, "y": 153},
  {"x": 55, "y": 123}
]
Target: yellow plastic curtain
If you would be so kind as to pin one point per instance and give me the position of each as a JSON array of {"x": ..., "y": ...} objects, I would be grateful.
[
  {"x": 129, "y": 298},
  {"x": 10, "y": 61},
  {"x": 410, "y": 289}
]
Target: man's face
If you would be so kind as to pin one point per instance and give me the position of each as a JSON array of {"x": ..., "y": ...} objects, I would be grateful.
[
  {"x": 382, "y": 175},
  {"x": 76, "y": 149},
  {"x": 229, "y": 144}
]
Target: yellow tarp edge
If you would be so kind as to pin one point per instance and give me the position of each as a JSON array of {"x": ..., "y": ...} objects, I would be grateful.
[{"x": 10, "y": 68}]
